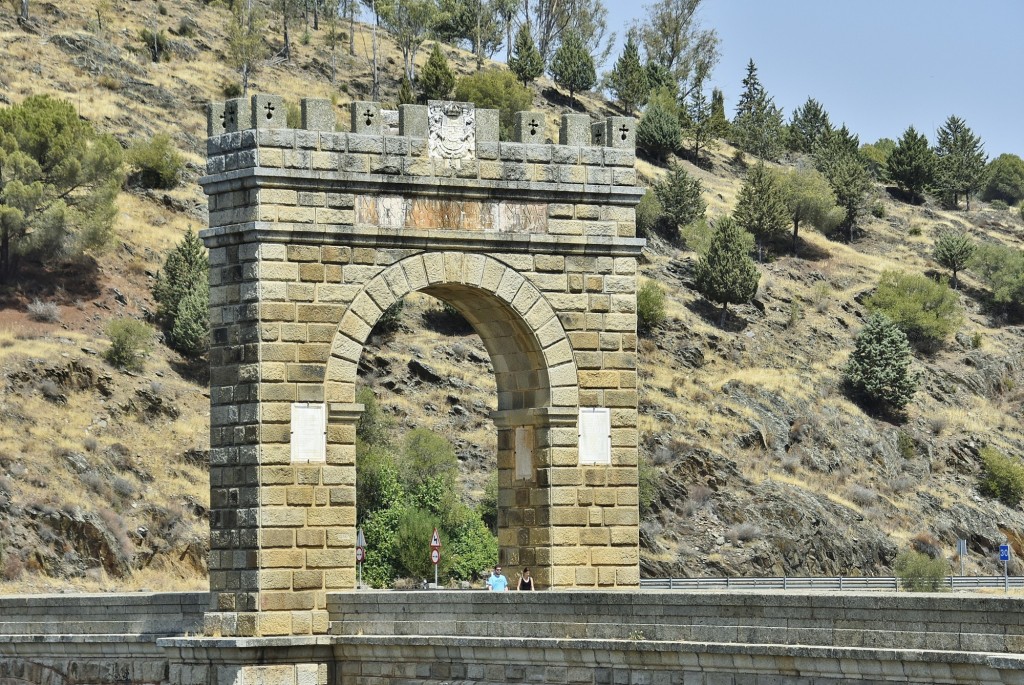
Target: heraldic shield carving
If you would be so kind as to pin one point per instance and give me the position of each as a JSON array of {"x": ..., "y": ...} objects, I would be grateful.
[{"x": 452, "y": 130}]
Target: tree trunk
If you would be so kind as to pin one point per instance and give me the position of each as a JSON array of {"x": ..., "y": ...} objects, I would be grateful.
[
  {"x": 725, "y": 311},
  {"x": 5, "y": 255},
  {"x": 24, "y": 11},
  {"x": 287, "y": 38},
  {"x": 375, "y": 90},
  {"x": 954, "y": 279},
  {"x": 796, "y": 231},
  {"x": 316, "y": 15},
  {"x": 479, "y": 45},
  {"x": 352, "y": 27}
]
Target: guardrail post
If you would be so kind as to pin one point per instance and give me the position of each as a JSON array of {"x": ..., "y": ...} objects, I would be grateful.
[
  {"x": 785, "y": 582},
  {"x": 840, "y": 583},
  {"x": 727, "y": 582},
  {"x": 670, "y": 584}
]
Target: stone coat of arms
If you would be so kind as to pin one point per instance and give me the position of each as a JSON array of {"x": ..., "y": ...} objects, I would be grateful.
[{"x": 452, "y": 130}]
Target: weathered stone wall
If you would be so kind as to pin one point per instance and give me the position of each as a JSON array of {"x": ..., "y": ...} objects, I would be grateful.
[
  {"x": 582, "y": 637},
  {"x": 315, "y": 233}
]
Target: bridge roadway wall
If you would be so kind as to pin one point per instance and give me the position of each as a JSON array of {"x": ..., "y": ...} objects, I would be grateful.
[{"x": 563, "y": 637}]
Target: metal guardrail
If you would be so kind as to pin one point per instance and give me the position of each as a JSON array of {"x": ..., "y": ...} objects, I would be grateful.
[{"x": 820, "y": 583}]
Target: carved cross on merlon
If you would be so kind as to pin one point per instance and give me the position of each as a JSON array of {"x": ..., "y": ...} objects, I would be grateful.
[{"x": 529, "y": 127}]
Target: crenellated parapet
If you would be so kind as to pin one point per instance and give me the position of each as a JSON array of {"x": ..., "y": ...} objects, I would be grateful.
[{"x": 447, "y": 149}]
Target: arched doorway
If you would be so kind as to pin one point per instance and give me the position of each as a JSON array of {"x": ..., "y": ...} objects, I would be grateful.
[{"x": 535, "y": 376}]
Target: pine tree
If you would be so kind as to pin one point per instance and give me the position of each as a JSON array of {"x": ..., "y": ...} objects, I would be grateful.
[
  {"x": 526, "y": 62},
  {"x": 628, "y": 79},
  {"x": 911, "y": 165},
  {"x": 954, "y": 250},
  {"x": 758, "y": 122},
  {"x": 59, "y": 181},
  {"x": 809, "y": 198},
  {"x": 808, "y": 125},
  {"x": 850, "y": 182},
  {"x": 961, "y": 159},
  {"x": 761, "y": 207},
  {"x": 405, "y": 94},
  {"x": 726, "y": 274},
  {"x": 436, "y": 78},
  {"x": 702, "y": 128},
  {"x": 184, "y": 277},
  {"x": 719, "y": 122},
  {"x": 681, "y": 197},
  {"x": 572, "y": 66},
  {"x": 659, "y": 132},
  {"x": 878, "y": 372}
]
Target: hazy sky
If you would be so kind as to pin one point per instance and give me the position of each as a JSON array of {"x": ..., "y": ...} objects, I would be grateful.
[{"x": 878, "y": 65}]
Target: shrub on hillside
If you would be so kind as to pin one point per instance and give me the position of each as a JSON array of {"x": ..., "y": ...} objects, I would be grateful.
[
  {"x": 1002, "y": 477},
  {"x": 659, "y": 132},
  {"x": 1001, "y": 268},
  {"x": 130, "y": 340},
  {"x": 1005, "y": 180},
  {"x": 919, "y": 572},
  {"x": 47, "y": 312},
  {"x": 650, "y": 307},
  {"x": 156, "y": 161},
  {"x": 681, "y": 199},
  {"x": 926, "y": 311},
  {"x": 648, "y": 214},
  {"x": 878, "y": 373},
  {"x": 496, "y": 89}
]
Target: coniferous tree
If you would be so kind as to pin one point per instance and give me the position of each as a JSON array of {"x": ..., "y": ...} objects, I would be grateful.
[
  {"x": 758, "y": 123},
  {"x": 659, "y": 132},
  {"x": 680, "y": 196},
  {"x": 954, "y": 250},
  {"x": 436, "y": 78},
  {"x": 808, "y": 125},
  {"x": 181, "y": 292},
  {"x": 878, "y": 373},
  {"x": 526, "y": 62},
  {"x": 405, "y": 94},
  {"x": 702, "y": 128},
  {"x": 761, "y": 207},
  {"x": 911, "y": 165},
  {"x": 726, "y": 274},
  {"x": 572, "y": 66},
  {"x": 961, "y": 159},
  {"x": 59, "y": 181},
  {"x": 628, "y": 79},
  {"x": 659, "y": 78},
  {"x": 838, "y": 158},
  {"x": 719, "y": 122},
  {"x": 809, "y": 198}
]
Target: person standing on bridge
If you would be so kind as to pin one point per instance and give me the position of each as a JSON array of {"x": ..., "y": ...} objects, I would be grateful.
[
  {"x": 497, "y": 582},
  {"x": 525, "y": 580}
]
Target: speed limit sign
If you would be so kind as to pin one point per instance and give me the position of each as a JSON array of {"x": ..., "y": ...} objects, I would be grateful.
[
  {"x": 360, "y": 554},
  {"x": 435, "y": 556}
]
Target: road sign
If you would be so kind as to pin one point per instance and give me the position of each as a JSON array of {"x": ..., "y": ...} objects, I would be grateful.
[
  {"x": 360, "y": 540},
  {"x": 435, "y": 541},
  {"x": 435, "y": 556},
  {"x": 360, "y": 554},
  {"x": 1004, "y": 552}
]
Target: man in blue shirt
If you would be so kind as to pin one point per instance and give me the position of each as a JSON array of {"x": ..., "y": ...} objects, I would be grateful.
[{"x": 497, "y": 582}]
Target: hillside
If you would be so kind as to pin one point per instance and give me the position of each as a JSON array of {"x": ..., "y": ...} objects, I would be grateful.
[{"x": 764, "y": 466}]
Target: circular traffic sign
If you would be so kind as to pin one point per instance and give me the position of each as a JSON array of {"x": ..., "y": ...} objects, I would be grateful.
[
  {"x": 435, "y": 556},
  {"x": 360, "y": 554}
]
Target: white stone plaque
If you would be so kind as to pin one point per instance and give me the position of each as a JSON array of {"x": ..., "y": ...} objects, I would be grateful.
[
  {"x": 524, "y": 452},
  {"x": 595, "y": 429},
  {"x": 452, "y": 130},
  {"x": 309, "y": 432}
]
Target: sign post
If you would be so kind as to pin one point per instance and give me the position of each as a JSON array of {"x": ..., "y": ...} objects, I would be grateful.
[
  {"x": 1004, "y": 556},
  {"x": 961, "y": 551},
  {"x": 360, "y": 554},
  {"x": 435, "y": 553}
]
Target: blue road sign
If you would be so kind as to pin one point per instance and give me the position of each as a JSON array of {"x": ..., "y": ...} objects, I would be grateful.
[{"x": 1004, "y": 552}]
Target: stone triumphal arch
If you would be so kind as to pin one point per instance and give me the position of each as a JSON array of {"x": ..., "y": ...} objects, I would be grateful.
[{"x": 314, "y": 233}]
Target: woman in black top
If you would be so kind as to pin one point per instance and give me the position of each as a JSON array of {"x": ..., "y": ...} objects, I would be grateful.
[{"x": 525, "y": 580}]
